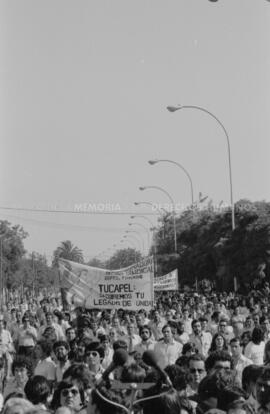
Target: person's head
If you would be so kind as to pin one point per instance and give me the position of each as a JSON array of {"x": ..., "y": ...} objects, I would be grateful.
[
  {"x": 235, "y": 346},
  {"x": 222, "y": 327},
  {"x": 265, "y": 324},
  {"x": 196, "y": 368},
  {"x": 180, "y": 327},
  {"x": 229, "y": 396},
  {"x": 130, "y": 328},
  {"x": 94, "y": 354},
  {"x": 70, "y": 334},
  {"x": 79, "y": 373},
  {"x": 26, "y": 320},
  {"x": 167, "y": 333},
  {"x": 37, "y": 390},
  {"x": 204, "y": 323},
  {"x": 218, "y": 343},
  {"x": 132, "y": 373},
  {"x": 22, "y": 369},
  {"x": 185, "y": 313},
  {"x": 68, "y": 394},
  {"x": 145, "y": 332},
  {"x": 105, "y": 341},
  {"x": 18, "y": 316},
  {"x": 248, "y": 322},
  {"x": 245, "y": 338},
  {"x": 156, "y": 316},
  {"x": 189, "y": 349},
  {"x": 140, "y": 319},
  {"x": 17, "y": 405},
  {"x": 257, "y": 336},
  {"x": 167, "y": 403},
  {"x": 93, "y": 324},
  {"x": 217, "y": 361},
  {"x": 168, "y": 315},
  {"x": 250, "y": 375},
  {"x": 120, "y": 344},
  {"x": 256, "y": 319},
  {"x": 116, "y": 323},
  {"x": 43, "y": 349},
  {"x": 178, "y": 376},
  {"x": 196, "y": 326},
  {"x": 49, "y": 318},
  {"x": 211, "y": 386},
  {"x": 263, "y": 387},
  {"x": 61, "y": 350}
]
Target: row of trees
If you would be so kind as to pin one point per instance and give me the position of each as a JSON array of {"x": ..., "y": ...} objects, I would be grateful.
[{"x": 207, "y": 249}]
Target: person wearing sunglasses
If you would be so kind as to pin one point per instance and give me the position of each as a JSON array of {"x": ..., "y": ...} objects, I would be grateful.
[
  {"x": 70, "y": 395},
  {"x": 94, "y": 354},
  {"x": 197, "y": 372}
]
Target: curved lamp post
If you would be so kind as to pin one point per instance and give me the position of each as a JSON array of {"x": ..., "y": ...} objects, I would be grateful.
[
  {"x": 144, "y": 228},
  {"x": 177, "y": 108},
  {"x": 171, "y": 200},
  {"x": 140, "y": 238},
  {"x": 153, "y": 162}
]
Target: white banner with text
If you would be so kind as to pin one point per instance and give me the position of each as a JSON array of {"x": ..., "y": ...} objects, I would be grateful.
[
  {"x": 128, "y": 288},
  {"x": 167, "y": 282}
]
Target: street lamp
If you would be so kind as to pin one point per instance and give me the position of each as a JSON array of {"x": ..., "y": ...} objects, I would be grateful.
[
  {"x": 139, "y": 237},
  {"x": 144, "y": 228},
  {"x": 132, "y": 238},
  {"x": 153, "y": 162},
  {"x": 171, "y": 200},
  {"x": 177, "y": 108},
  {"x": 159, "y": 209}
]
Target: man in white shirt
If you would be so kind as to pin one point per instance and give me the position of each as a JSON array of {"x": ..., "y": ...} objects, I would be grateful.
[
  {"x": 187, "y": 321},
  {"x": 131, "y": 339},
  {"x": 200, "y": 339},
  {"x": 26, "y": 337},
  {"x": 61, "y": 350},
  {"x": 60, "y": 336},
  {"x": 156, "y": 325},
  {"x": 239, "y": 360},
  {"x": 167, "y": 350},
  {"x": 45, "y": 366},
  {"x": 147, "y": 343}
]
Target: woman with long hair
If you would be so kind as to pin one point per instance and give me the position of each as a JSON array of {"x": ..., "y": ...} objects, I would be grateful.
[
  {"x": 255, "y": 348},
  {"x": 218, "y": 343}
]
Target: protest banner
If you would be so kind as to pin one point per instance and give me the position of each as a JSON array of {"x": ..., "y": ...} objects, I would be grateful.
[
  {"x": 128, "y": 288},
  {"x": 167, "y": 282}
]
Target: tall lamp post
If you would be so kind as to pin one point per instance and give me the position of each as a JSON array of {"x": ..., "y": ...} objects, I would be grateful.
[
  {"x": 152, "y": 228},
  {"x": 153, "y": 162},
  {"x": 173, "y": 204},
  {"x": 139, "y": 237},
  {"x": 144, "y": 228},
  {"x": 199, "y": 108}
]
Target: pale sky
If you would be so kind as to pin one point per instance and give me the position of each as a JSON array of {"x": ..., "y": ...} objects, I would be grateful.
[{"x": 84, "y": 89}]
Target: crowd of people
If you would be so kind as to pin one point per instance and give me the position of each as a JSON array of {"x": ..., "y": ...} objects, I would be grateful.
[{"x": 194, "y": 353}]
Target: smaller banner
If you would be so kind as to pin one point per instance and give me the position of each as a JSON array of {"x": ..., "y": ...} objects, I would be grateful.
[{"x": 167, "y": 282}]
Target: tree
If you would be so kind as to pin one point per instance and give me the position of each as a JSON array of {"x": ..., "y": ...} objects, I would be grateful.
[
  {"x": 208, "y": 249},
  {"x": 66, "y": 250},
  {"x": 123, "y": 258},
  {"x": 12, "y": 251}
]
